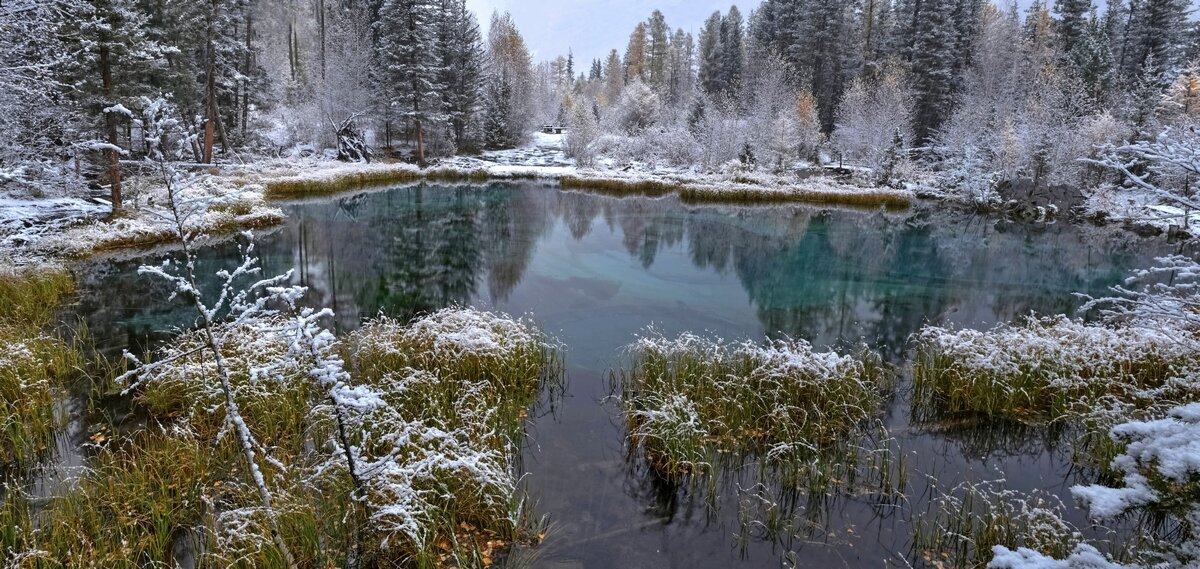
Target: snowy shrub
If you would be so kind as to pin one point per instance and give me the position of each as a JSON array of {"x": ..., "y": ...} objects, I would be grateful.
[
  {"x": 637, "y": 110},
  {"x": 869, "y": 118},
  {"x": 581, "y": 134},
  {"x": 687, "y": 397}
]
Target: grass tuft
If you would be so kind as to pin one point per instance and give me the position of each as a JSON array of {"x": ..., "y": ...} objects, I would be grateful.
[
  {"x": 689, "y": 398},
  {"x": 1055, "y": 371},
  {"x": 35, "y": 365},
  {"x": 962, "y": 526}
]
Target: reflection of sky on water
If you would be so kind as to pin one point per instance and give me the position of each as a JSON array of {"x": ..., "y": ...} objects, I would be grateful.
[{"x": 595, "y": 270}]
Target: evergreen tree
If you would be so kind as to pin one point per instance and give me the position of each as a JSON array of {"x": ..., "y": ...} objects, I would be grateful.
[
  {"x": 614, "y": 78},
  {"x": 461, "y": 52},
  {"x": 1091, "y": 60},
  {"x": 509, "y": 84},
  {"x": 408, "y": 51},
  {"x": 733, "y": 51},
  {"x": 1072, "y": 22},
  {"x": 712, "y": 78},
  {"x": 681, "y": 79},
  {"x": 658, "y": 51},
  {"x": 933, "y": 68}
]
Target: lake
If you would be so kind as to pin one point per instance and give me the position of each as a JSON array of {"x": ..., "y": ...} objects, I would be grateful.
[{"x": 594, "y": 271}]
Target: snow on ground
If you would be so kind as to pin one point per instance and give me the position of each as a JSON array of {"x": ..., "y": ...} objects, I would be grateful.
[
  {"x": 45, "y": 229},
  {"x": 1139, "y": 207}
]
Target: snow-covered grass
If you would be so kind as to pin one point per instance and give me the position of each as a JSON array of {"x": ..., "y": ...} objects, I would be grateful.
[
  {"x": 34, "y": 363},
  {"x": 458, "y": 385},
  {"x": 58, "y": 229},
  {"x": 1053, "y": 369},
  {"x": 689, "y": 398},
  {"x": 438, "y": 449},
  {"x": 965, "y": 525},
  {"x": 738, "y": 188}
]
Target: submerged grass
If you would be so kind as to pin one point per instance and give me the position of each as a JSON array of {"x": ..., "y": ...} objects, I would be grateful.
[{"x": 689, "y": 398}]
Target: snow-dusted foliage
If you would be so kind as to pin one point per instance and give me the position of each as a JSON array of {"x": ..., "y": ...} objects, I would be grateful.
[
  {"x": 870, "y": 117},
  {"x": 439, "y": 449},
  {"x": 689, "y": 396},
  {"x": 974, "y": 522},
  {"x": 1054, "y": 369},
  {"x": 1165, "y": 168},
  {"x": 1084, "y": 556}
]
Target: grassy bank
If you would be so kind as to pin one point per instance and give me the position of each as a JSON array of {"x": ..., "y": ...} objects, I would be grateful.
[
  {"x": 36, "y": 364},
  {"x": 440, "y": 482},
  {"x": 690, "y": 398},
  {"x": 690, "y": 187}
]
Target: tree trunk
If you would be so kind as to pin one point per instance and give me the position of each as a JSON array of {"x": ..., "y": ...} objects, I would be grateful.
[
  {"x": 111, "y": 157},
  {"x": 420, "y": 143},
  {"x": 210, "y": 90},
  {"x": 321, "y": 33},
  {"x": 247, "y": 72}
]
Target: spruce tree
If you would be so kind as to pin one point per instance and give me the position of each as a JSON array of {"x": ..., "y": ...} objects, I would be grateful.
[
  {"x": 933, "y": 68},
  {"x": 1072, "y": 22},
  {"x": 408, "y": 50},
  {"x": 461, "y": 52}
]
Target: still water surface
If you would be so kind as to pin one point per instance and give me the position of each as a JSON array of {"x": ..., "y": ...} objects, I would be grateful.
[{"x": 594, "y": 271}]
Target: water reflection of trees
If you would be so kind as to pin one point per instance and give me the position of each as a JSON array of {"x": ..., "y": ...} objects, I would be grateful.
[{"x": 829, "y": 276}]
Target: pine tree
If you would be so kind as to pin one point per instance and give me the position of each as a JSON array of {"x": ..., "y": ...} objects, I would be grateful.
[
  {"x": 116, "y": 52},
  {"x": 658, "y": 51},
  {"x": 1072, "y": 22},
  {"x": 712, "y": 78},
  {"x": 461, "y": 51},
  {"x": 681, "y": 79},
  {"x": 614, "y": 78},
  {"x": 733, "y": 51},
  {"x": 1091, "y": 60},
  {"x": 509, "y": 84},
  {"x": 933, "y": 68},
  {"x": 409, "y": 55}
]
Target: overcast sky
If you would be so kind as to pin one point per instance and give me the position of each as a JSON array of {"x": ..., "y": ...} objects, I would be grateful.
[{"x": 592, "y": 27}]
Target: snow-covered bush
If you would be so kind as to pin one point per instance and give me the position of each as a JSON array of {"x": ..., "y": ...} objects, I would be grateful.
[
  {"x": 870, "y": 115},
  {"x": 1087, "y": 377},
  {"x": 638, "y": 109},
  {"x": 455, "y": 387},
  {"x": 582, "y": 133}
]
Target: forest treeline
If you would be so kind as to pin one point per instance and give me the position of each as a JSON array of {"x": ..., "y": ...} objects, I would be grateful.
[{"x": 974, "y": 91}]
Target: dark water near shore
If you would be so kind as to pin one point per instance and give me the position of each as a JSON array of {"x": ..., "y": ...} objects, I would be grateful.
[{"x": 593, "y": 271}]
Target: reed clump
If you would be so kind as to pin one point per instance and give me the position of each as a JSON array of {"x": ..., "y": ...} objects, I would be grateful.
[
  {"x": 963, "y": 525},
  {"x": 840, "y": 195},
  {"x": 1057, "y": 372},
  {"x": 340, "y": 181},
  {"x": 689, "y": 398},
  {"x": 620, "y": 186},
  {"x": 458, "y": 382}
]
